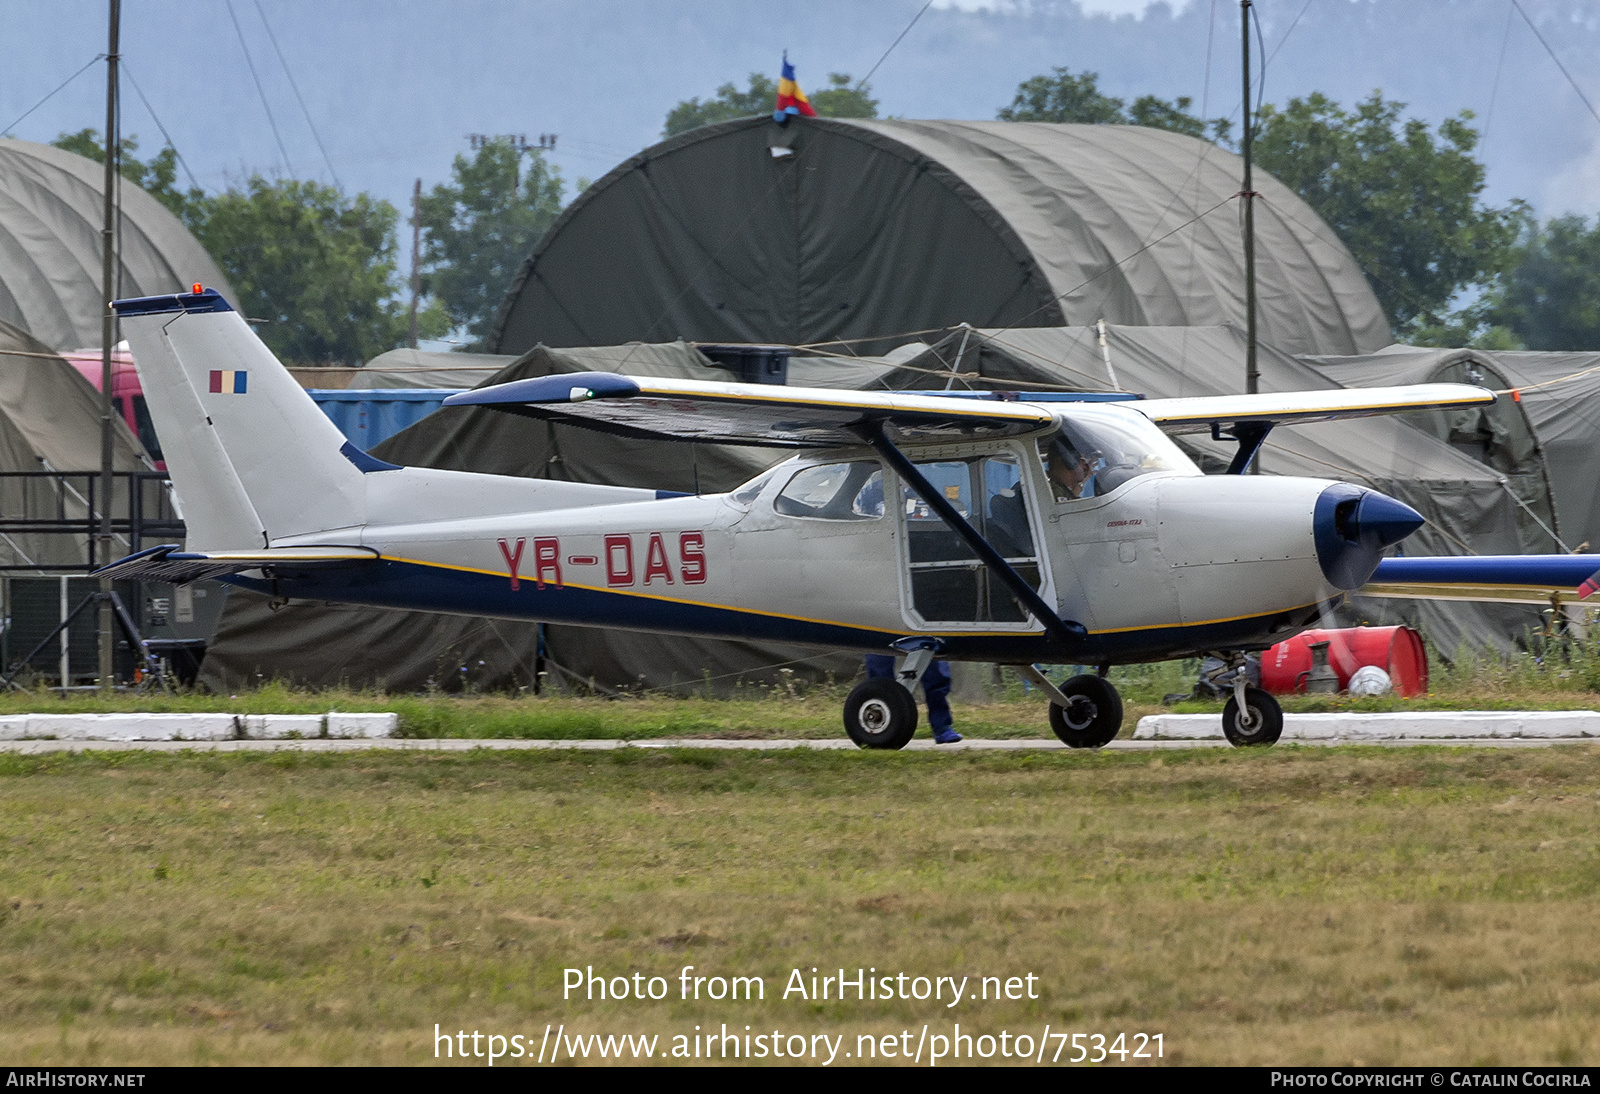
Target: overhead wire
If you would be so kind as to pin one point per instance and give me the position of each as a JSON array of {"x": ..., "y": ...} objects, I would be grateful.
[
  {"x": 863, "y": 81},
  {"x": 260, "y": 91},
  {"x": 1521, "y": 11},
  {"x": 91, "y": 62},
  {"x": 273, "y": 38},
  {"x": 1494, "y": 90},
  {"x": 123, "y": 67}
]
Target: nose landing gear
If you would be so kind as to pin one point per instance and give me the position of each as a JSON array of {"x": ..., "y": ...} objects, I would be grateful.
[{"x": 1251, "y": 716}]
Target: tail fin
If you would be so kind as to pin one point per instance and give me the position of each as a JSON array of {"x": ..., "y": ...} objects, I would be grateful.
[{"x": 251, "y": 456}]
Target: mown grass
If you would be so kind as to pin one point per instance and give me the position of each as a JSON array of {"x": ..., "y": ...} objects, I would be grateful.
[
  {"x": 802, "y": 710},
  {"x": 1294, "y": 905}
]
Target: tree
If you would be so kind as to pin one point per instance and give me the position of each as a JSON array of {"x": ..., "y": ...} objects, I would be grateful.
[
  {"x": 155, "y": 178},
  {"x": 837, "y": 100},
  {"x": 1405, "y": 200},
  {"x": 317, "y": 265},
  {"x": 479, "y": 229},
  {"x": 1550, "y": 294},
  {"x": 1063, "y": 97}
]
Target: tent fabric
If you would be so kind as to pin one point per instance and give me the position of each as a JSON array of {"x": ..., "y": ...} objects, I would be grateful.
[
  {"x": 325, "y": 645},
  {"x": 50, "y": 421},
  {"x": 425, "y": 369},
  {"x": 836, "y": 229},
  {"x": 51, "y": 212},
  {"x": 1549, "y": 435}
]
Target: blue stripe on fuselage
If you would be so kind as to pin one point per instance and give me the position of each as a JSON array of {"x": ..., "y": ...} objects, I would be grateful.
[{"x": 429, "y": 588}]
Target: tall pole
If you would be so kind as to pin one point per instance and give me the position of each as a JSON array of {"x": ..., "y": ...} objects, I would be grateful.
[
  {"x": 1251, "y": 377},
  {"x": 416, "y": 248},
  {"x": 108, "y": 330}
]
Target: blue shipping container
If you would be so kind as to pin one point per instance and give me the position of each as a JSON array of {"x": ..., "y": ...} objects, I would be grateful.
[{"x": 369, "y": 415}]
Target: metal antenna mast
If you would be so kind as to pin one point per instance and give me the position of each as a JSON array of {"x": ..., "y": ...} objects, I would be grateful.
[
  {"x": 1252, "y": 378},
  {"x": 108, "y": 330}
]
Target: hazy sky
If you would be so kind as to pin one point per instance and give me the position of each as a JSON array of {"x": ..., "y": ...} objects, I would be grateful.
[{"x": 395, "y": 86}]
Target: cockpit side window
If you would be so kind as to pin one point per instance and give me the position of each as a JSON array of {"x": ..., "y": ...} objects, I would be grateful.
[
  {"x": 834, "y": 491},
  {"x": 747, "y": 494}
]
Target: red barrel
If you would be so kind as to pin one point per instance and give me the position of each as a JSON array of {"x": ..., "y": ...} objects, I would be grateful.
[{"x": 1396, "y": 650}]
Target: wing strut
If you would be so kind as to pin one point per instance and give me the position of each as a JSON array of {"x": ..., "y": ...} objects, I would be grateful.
[
  {"x": 1250, "y": 435},
  {"x": 1065, "y": 631}
]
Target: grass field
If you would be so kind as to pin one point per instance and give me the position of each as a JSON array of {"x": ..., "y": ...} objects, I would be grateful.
[
  {"x": 811, "y": 711},
  {"x": 1416, "y": 905}
]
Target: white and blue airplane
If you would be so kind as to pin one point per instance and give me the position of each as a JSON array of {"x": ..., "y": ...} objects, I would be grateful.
[{"x": 1024, "y": 531}]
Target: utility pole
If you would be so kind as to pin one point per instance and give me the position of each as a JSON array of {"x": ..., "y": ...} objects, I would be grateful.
[
  {"x": 108, "y": 333},
  {"x": 1252, "y": 378},
  {"x": 416, "y": 248}
]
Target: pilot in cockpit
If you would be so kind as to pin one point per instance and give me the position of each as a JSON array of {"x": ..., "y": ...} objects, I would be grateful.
[{"x": 1071, "y": 472}]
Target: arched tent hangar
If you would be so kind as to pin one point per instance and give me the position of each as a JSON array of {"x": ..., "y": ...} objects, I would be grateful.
[
  {"x": 827, "y": 229},
  {"x": 51, "y": 213}
]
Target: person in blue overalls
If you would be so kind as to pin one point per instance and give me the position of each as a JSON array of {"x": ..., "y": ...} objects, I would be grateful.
[{"x": 935, "y": 689}]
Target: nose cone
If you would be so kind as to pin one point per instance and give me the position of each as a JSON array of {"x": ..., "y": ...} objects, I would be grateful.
[
  {"x": 1351, "y": 528},
  {"x": 1382, "y": 520}
]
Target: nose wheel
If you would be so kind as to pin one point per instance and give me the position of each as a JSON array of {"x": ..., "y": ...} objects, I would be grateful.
[{"x": 1258, "y": 720}]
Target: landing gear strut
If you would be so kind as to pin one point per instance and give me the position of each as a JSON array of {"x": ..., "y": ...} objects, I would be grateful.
[
  {"x": 1085, "y": 712},
  {"x": 1251, "y": 716}
]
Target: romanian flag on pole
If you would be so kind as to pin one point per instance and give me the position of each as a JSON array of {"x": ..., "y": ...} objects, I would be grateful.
[{"x": 791, "y": 100}]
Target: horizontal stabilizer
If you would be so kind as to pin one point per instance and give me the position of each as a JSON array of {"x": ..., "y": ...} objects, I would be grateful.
[
  {"x": 752, "y": 414},
  {"x": 167, "y": 563},
  {"x": 1200, "y": 414},
  {"x": 1520, "y": 579}
]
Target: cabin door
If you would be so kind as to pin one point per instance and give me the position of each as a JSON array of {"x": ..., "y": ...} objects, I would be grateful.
[{"x": 948, "y": 582}]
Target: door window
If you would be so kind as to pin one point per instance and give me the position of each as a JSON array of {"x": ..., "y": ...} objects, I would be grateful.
[{"x": 949, "y": 583}]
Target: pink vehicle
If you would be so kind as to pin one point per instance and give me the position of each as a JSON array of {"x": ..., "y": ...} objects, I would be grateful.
[{"x": 125, "y": 393}]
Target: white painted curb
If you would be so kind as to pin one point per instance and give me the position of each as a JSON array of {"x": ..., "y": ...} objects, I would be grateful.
[
  {"x": 1395, "y": 726},
  {"x": 193, "y": 727}
]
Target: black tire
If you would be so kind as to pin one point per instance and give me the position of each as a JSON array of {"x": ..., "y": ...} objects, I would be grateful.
[
  {"x": 1094, "y": 717},
  {"x": 880, "y": 714},
  {"x": 1266, "y": 720}
]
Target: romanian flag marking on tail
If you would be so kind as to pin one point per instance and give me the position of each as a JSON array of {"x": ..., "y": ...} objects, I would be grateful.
[
  {"x": 228, "y": 381},
  {"x": 791, "y": 100}
]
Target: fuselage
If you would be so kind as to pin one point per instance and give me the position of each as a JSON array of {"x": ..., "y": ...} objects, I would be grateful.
[{"x": 1153, "y": 558}]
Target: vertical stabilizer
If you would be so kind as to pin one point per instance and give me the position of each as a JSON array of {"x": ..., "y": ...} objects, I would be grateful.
[{"x": 252, "y": 457}]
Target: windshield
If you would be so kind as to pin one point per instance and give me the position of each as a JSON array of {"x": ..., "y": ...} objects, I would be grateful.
[{"x": 1098, "y": 448}]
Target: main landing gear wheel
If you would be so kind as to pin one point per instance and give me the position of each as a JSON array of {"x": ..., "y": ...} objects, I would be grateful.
[
  {"x": 880, "y": 713},
  {"x": 1260, "y": 724},
  {"x": 1092, "y": 716}
]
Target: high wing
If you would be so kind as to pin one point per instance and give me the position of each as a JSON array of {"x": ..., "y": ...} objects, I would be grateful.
[
  {"x": 751, "y": 414},
  {"x": 1218, "y": 412},
  {"x": 1520, "y": 579},
  {"x": 168, "y": 563}
]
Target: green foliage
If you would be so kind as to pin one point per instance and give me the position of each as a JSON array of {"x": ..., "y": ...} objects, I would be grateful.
[
  {"x": 838, "y": 100},
  {"x": 1550, "y": 296},
  {"x": 478, "y": 229},
  {"x": 1063, "y": 97},
  {"x": 318, "y": 265},
  {"x": 1471, "y": 326},
  {"x": 156, "y": 178},
  {"x": 1405, "y": 200}
]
